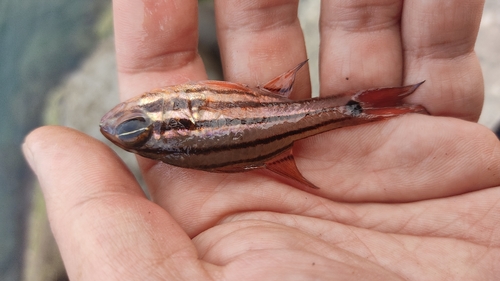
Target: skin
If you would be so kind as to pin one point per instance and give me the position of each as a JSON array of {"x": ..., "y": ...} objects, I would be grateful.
[{"x": 412, "y": 198}]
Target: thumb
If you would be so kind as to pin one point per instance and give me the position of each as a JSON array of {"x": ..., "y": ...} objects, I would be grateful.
[{"x": 103, "y": 224}]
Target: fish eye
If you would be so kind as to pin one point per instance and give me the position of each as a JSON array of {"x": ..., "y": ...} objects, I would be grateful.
[{"x": 134, "y": 131}]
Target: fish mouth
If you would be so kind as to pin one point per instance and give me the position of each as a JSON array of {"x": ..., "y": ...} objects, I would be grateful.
[
  {"x": 108, "y": 121},
  {"x": 105, "y": 126},
  {"x": 106, "y": 130},
  {"x": 109, "y": 132}
]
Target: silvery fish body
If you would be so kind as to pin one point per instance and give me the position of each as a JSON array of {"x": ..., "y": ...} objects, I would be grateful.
[{"x": 220, "y": 126}]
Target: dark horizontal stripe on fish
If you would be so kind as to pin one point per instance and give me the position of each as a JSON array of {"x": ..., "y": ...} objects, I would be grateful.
[
  {"x": 251, "y": 160},
  {"x": 182, "y": 103},
  {"x": 220, "y": 123},
  {"x": 187, "y": 124},
  {"x": 208, "y": 150},
  {"x": 247, "y": 104},
  {"x": 213, "y": 98},
  {"x": 212, "y": 90}
]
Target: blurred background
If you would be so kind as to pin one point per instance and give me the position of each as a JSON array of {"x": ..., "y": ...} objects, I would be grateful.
[{"x": 57, "y": 66}]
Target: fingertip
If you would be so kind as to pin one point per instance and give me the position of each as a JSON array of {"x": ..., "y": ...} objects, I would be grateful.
[
  {"x": 73, "y": 165},
  {"x": 39, "y": 141},
  {"x": 260, "y": 40},
  {"x": 101, "y": 219},
  {"x": 156, "y": 44}
]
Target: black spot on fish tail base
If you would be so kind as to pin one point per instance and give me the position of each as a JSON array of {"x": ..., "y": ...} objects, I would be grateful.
[{"x": 354, "y": 108}]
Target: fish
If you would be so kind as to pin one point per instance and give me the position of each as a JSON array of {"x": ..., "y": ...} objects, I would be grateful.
[{"x": 227, "y": 127}]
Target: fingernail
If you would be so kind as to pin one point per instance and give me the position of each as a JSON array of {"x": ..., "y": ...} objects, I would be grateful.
[{"x": 28, "y": 155}]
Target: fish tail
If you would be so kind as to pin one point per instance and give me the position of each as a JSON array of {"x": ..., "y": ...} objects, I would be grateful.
[
  {"x": 385, "y": 97},
  {"x": 395, "y": 111},
  {"x": 387, "y": 102}
]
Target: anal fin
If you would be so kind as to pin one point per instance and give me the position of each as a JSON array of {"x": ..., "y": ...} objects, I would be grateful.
[{"x": 284, "y": 165}]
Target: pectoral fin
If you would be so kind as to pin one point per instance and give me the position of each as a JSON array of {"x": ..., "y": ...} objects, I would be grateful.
[
  {"x": 284, "y": 165},
  {"x": 282, "y": 85}
]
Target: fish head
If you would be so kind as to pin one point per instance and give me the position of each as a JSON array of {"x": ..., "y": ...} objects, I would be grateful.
[
  {"x": 131, "y": 124},
  {"x": 156, "y": 125}
]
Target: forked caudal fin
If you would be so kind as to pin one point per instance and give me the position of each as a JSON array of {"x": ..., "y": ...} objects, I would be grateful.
[
  {"x": 386, "y": 102},
  {"x": 385, "y": 97},
  {"x": 283, "y": 84}
]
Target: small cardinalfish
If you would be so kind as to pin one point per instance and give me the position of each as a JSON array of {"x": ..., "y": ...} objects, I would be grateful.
[{"x": 226, "y": 127}]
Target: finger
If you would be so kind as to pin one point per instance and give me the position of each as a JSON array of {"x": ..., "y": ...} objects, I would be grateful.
[
  {"x": 259, "y": 40},
  {"x": 438, "y": 39},
  {"x": 360, "y": 45},
  {"x": 156, "y": 44},
  {"x": 101, "y": 220}
]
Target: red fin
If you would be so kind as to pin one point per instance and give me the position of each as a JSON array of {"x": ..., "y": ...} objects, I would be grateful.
[
  {"x": 395, "y": 111},
  {"x": 284, "y": 165},
  {"x": 282, "y": 85},
  {"x": 385, "y": 97}
]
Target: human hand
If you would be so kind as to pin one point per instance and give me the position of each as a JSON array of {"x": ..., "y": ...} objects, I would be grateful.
[{"x": 412, "y": 198}]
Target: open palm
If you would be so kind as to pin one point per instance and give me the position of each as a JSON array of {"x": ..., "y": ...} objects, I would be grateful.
[{"x": 412, "y": 198}]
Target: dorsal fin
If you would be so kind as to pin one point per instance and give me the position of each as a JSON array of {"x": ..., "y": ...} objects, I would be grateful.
[
  {"x": 284, "y": 165},
  {"x": 282, "y": 85}
]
